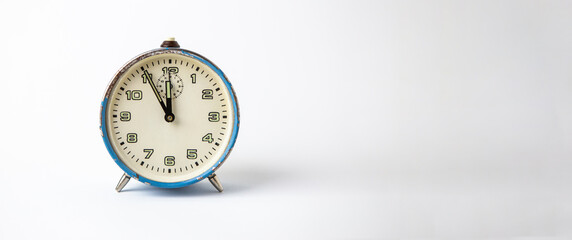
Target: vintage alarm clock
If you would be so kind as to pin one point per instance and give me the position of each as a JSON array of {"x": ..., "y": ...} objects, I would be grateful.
[{"x": 169, "y": 118}]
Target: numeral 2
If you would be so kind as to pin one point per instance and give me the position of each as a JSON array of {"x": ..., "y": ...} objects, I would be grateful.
[{"x": 207, "y": 94}]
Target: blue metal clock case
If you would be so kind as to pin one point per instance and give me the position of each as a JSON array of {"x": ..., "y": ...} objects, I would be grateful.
[{"x": 103, "y": 118}]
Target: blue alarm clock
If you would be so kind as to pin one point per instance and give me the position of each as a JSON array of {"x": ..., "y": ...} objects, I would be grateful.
[{"x": 169, "y": 118}]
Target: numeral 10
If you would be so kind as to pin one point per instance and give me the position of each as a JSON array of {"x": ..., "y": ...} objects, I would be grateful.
[{"x": 134, "y": 95}]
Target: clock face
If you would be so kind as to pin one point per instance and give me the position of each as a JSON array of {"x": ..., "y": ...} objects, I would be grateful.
[{"x": 170, "y": 117}]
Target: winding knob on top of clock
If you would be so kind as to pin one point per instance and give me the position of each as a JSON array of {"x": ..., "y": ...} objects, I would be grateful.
[{"x": 170, "y": 42}]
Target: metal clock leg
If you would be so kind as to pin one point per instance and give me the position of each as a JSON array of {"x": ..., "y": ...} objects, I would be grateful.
[
  {"x": 122, "y": 182},
  {"x": 216, "y": 183}
]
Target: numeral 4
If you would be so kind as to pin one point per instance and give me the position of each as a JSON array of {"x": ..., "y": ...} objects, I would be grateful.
[{"x": 208, "y": 138}]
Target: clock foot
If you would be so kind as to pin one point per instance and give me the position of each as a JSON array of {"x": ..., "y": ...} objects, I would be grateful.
[
  {"x": 216, "y": 183},
  {"x": 122, "y": 182}
]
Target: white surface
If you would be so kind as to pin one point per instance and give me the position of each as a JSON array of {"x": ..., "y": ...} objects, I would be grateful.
[{"x": 360, "y": 120}]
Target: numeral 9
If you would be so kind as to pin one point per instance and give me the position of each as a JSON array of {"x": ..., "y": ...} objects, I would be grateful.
[{"x": 125, "y": 116}]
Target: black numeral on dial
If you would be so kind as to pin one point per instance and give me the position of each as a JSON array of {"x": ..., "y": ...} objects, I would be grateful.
[
  {"x": 170, "y": 69},
  {"x": 132, "y": 137},
  {"x": 193, "y": 78},
  {"x": 169, "y": 161},
  {"x": 134, "y": 95},
  {"x": 125, "y": 116},
  {"x": 207, "y": 94},
  {"x": 149, "y": 153},
  {"x": 145, "y": 77},
  {"x": 214, "y": 117},
  {"x": 208, "y": 138},
  {"x": 192, "y": 154}
]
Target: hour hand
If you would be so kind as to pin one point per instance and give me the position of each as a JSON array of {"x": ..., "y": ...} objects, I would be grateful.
[
  {"x": 168, "y": 97},
  {"x": 169, "y": 116}
]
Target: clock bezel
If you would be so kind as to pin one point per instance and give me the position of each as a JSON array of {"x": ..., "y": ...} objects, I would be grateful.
[{"x": 103, "y": 118}]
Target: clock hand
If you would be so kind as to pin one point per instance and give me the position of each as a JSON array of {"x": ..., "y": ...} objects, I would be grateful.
[
  {"x": 169, "y": 116},
  {"x": 148, "y": 77}
]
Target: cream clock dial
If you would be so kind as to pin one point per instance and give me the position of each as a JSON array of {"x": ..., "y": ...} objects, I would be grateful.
[{"x": 169, "y": 118}]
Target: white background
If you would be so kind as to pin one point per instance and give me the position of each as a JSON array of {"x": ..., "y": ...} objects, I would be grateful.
[{"x": 359, "y": 120}]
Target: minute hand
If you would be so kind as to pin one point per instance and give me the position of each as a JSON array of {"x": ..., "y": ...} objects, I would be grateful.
[{"x": 147, "y": 76}]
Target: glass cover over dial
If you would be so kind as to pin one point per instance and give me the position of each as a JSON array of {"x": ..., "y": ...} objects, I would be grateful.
[{"x": 170, "y": 117}]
